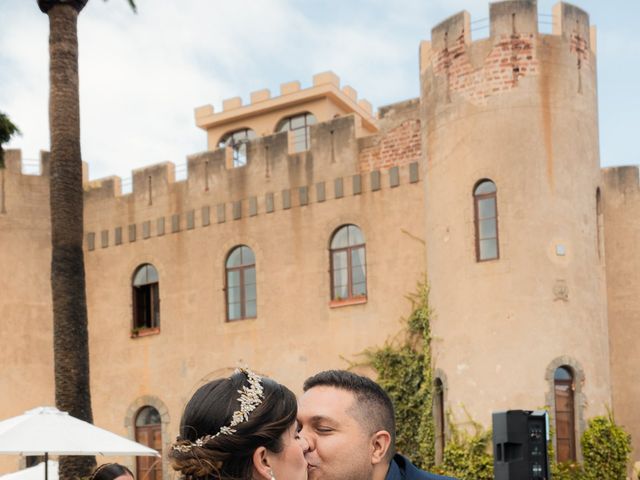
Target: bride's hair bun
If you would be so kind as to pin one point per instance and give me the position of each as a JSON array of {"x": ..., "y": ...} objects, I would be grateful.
[
  {"x": 195, "y": 462},
  {"x": 199, "y": 453}
]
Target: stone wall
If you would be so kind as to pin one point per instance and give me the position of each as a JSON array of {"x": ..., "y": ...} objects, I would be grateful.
[{"x": 620, "y": 207}]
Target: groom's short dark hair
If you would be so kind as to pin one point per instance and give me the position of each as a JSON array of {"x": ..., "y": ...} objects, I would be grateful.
[{"x": 373, "y": 408}]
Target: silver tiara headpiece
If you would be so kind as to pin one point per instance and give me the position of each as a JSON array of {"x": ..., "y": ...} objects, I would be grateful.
[{"x": 250, "y": 397}]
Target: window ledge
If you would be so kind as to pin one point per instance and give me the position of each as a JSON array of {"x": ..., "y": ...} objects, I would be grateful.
[
  {"x": 348, "y": 301},
  {"x": 240, "y": 320},
  {"x": 143, "y": 332}
]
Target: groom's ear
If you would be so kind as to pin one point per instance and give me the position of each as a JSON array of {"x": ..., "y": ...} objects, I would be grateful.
[
  {"x": 379, "y": 446},
  {"x": 261, "y": 466}
]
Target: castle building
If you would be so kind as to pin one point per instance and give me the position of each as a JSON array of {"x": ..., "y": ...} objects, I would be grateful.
[{"x": 294, "y": 240}]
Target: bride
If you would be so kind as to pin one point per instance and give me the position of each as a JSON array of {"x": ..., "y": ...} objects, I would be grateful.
[{"x": 241, "y": 428}]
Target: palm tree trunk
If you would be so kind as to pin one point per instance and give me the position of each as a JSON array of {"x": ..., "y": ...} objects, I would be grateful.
[{"x": 70, "y": 336}]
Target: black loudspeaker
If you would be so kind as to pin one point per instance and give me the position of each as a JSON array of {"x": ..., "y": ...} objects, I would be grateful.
[{"x": 520, "y": 445}]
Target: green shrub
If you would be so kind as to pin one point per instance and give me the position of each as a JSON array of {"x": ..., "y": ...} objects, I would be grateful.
[
  {"x": 605, "y": 449},
  {"x": 566, "y": 471},
  {"x": 467, "y": 455}
]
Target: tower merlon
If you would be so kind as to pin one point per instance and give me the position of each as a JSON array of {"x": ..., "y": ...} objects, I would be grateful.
[
  {"x": 203, "y": 112},
  {"x": 158, "y": 174},
  {"x": 425, "y": 53},
  {"x": 625, "y": 179},
  {"x": 103, "y": 188},
  {"x": 289, "y": 87},
  {"x": 571, "y": 21},
  {"x": 350, "y": 92},
  {"x": 451, "y": 30},
  {"x": 231, "y": 103},
  {"x": 260, "y": 95},
  {"x": 366, "y": 106},
  {"x": 512, "y": 17},
  {"x": 326, "y": 78},
  {"x": 13, "y": 163}
]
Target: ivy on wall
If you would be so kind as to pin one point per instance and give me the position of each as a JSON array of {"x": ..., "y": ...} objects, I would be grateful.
[{"x": 405, "y": 371}]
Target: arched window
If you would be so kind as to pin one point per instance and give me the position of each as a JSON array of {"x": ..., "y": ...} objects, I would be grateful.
[
  {"x": 149, "y": 432},
  {"x": 348, "y": 264},
  {"x": 241, "y": 284},
  {"x": 438, "y": 413},
  {"x": 486, "y": 221},
  {"x": 238, "y": 140},
  {"x": 146, "y": 299},
  {"x": 298, "y": 125},
  {"x": 565, "y": 417}
]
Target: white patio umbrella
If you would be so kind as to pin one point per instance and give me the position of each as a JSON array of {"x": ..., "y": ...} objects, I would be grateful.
[
  {"x": 47, "y": 430},
  {"x": 34, "y": 473}
]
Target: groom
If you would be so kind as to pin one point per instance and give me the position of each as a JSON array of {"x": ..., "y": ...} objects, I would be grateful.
[{"x": 348, "y": 421}]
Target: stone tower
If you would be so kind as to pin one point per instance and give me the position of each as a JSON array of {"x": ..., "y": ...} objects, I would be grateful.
[{"x": 524, "y": 280}]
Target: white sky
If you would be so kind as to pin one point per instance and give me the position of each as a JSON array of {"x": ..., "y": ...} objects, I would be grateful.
[{"x": 142, "y": 75}]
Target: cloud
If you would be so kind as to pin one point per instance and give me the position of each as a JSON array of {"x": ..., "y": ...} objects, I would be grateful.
[{"x": 142, "y": 75}]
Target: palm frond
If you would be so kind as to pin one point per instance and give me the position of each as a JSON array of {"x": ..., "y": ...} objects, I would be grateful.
[{"x": 7, "y": 129}]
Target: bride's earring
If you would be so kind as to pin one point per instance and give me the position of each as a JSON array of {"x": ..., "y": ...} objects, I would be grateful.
[{"x": 273, "y": 477}]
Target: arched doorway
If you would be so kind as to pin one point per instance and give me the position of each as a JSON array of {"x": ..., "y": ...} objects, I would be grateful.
[
  {"x": 149, "y": 432},
  {"x": 563, "y": 384}
]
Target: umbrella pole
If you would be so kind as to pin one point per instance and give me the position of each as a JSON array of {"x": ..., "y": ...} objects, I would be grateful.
[{"x": 46, "y": 465}]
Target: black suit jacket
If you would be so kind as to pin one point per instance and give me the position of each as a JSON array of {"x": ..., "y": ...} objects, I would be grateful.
[{"x": 402, "y": 469}]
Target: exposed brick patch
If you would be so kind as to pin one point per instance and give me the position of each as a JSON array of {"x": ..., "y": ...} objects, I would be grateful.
[
  {"x": 399, "y": 146},
  {"x": 511, "y": 58},
  {"x": 580, "y": 47}
]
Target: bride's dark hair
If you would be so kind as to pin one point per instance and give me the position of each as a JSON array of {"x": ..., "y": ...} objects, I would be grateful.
[{"x": 230, "y": 457}]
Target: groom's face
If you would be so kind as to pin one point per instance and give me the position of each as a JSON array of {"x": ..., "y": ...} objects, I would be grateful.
[{"x": 339, "y": 446}]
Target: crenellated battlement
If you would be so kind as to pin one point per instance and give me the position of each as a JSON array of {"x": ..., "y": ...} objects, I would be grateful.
[
  {"x": 15, "y": 164},
  {"x": 206, "y": 113},
  {"x": 510, "y": 17},
  {"x": 325, "y": 99},
  {"x": 290, "y": 92},
  {"x": 333, "y": 149},
  {"x": 481, "y": 69},
  {"x": 338, "y": 165}
]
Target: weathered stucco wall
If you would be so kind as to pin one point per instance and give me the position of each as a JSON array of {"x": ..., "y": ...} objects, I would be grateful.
[
  {"x": 518, "y": 108},
  {"x": 26, "y": 354},
  {"x": 620, "y": 207}
]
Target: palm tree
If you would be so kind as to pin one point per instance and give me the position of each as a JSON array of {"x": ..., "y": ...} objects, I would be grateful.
[
  {"x": 70, "y": 336},
  {"x": 7, "y": 130}
]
